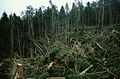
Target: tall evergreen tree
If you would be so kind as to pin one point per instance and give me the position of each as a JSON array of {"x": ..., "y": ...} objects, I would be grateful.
[{"x": 4, "y": 36}]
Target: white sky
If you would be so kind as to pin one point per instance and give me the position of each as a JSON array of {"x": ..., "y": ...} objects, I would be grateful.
[{"x": 17, "y": 6}]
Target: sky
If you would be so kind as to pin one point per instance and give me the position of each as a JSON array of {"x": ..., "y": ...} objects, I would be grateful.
[{"x": 17, "y": 6}]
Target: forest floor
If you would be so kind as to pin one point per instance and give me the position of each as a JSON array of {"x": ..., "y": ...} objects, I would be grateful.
[{"x": 88, "y": 54}]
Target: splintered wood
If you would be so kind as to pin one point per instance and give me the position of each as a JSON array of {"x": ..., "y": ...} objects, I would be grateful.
[{"x": 18, "y": 70}]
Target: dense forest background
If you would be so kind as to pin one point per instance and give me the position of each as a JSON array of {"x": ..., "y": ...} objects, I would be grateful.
[
  {"x": 96, "y": 24},
  {"x": 16, "y": 31}
]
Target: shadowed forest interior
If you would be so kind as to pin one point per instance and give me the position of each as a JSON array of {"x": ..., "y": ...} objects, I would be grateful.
[{"x": 78, "y": 43}]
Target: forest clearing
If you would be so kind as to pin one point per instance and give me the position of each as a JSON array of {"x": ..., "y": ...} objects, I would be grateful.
[{"x": 78, "y": 43}]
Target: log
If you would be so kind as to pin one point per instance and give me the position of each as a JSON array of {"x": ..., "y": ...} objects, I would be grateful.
[{"x": 56, "y": 78}]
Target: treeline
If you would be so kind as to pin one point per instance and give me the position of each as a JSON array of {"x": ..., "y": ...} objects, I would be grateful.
[{"x": 18, "y": 33}]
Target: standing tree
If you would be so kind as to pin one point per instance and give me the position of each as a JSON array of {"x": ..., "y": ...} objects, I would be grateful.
[
  {"x": 4, "y": 36},
  {"x": 62, "y": 20}
]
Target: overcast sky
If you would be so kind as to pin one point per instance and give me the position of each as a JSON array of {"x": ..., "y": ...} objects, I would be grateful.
[{"x": 17, "y": 6}]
